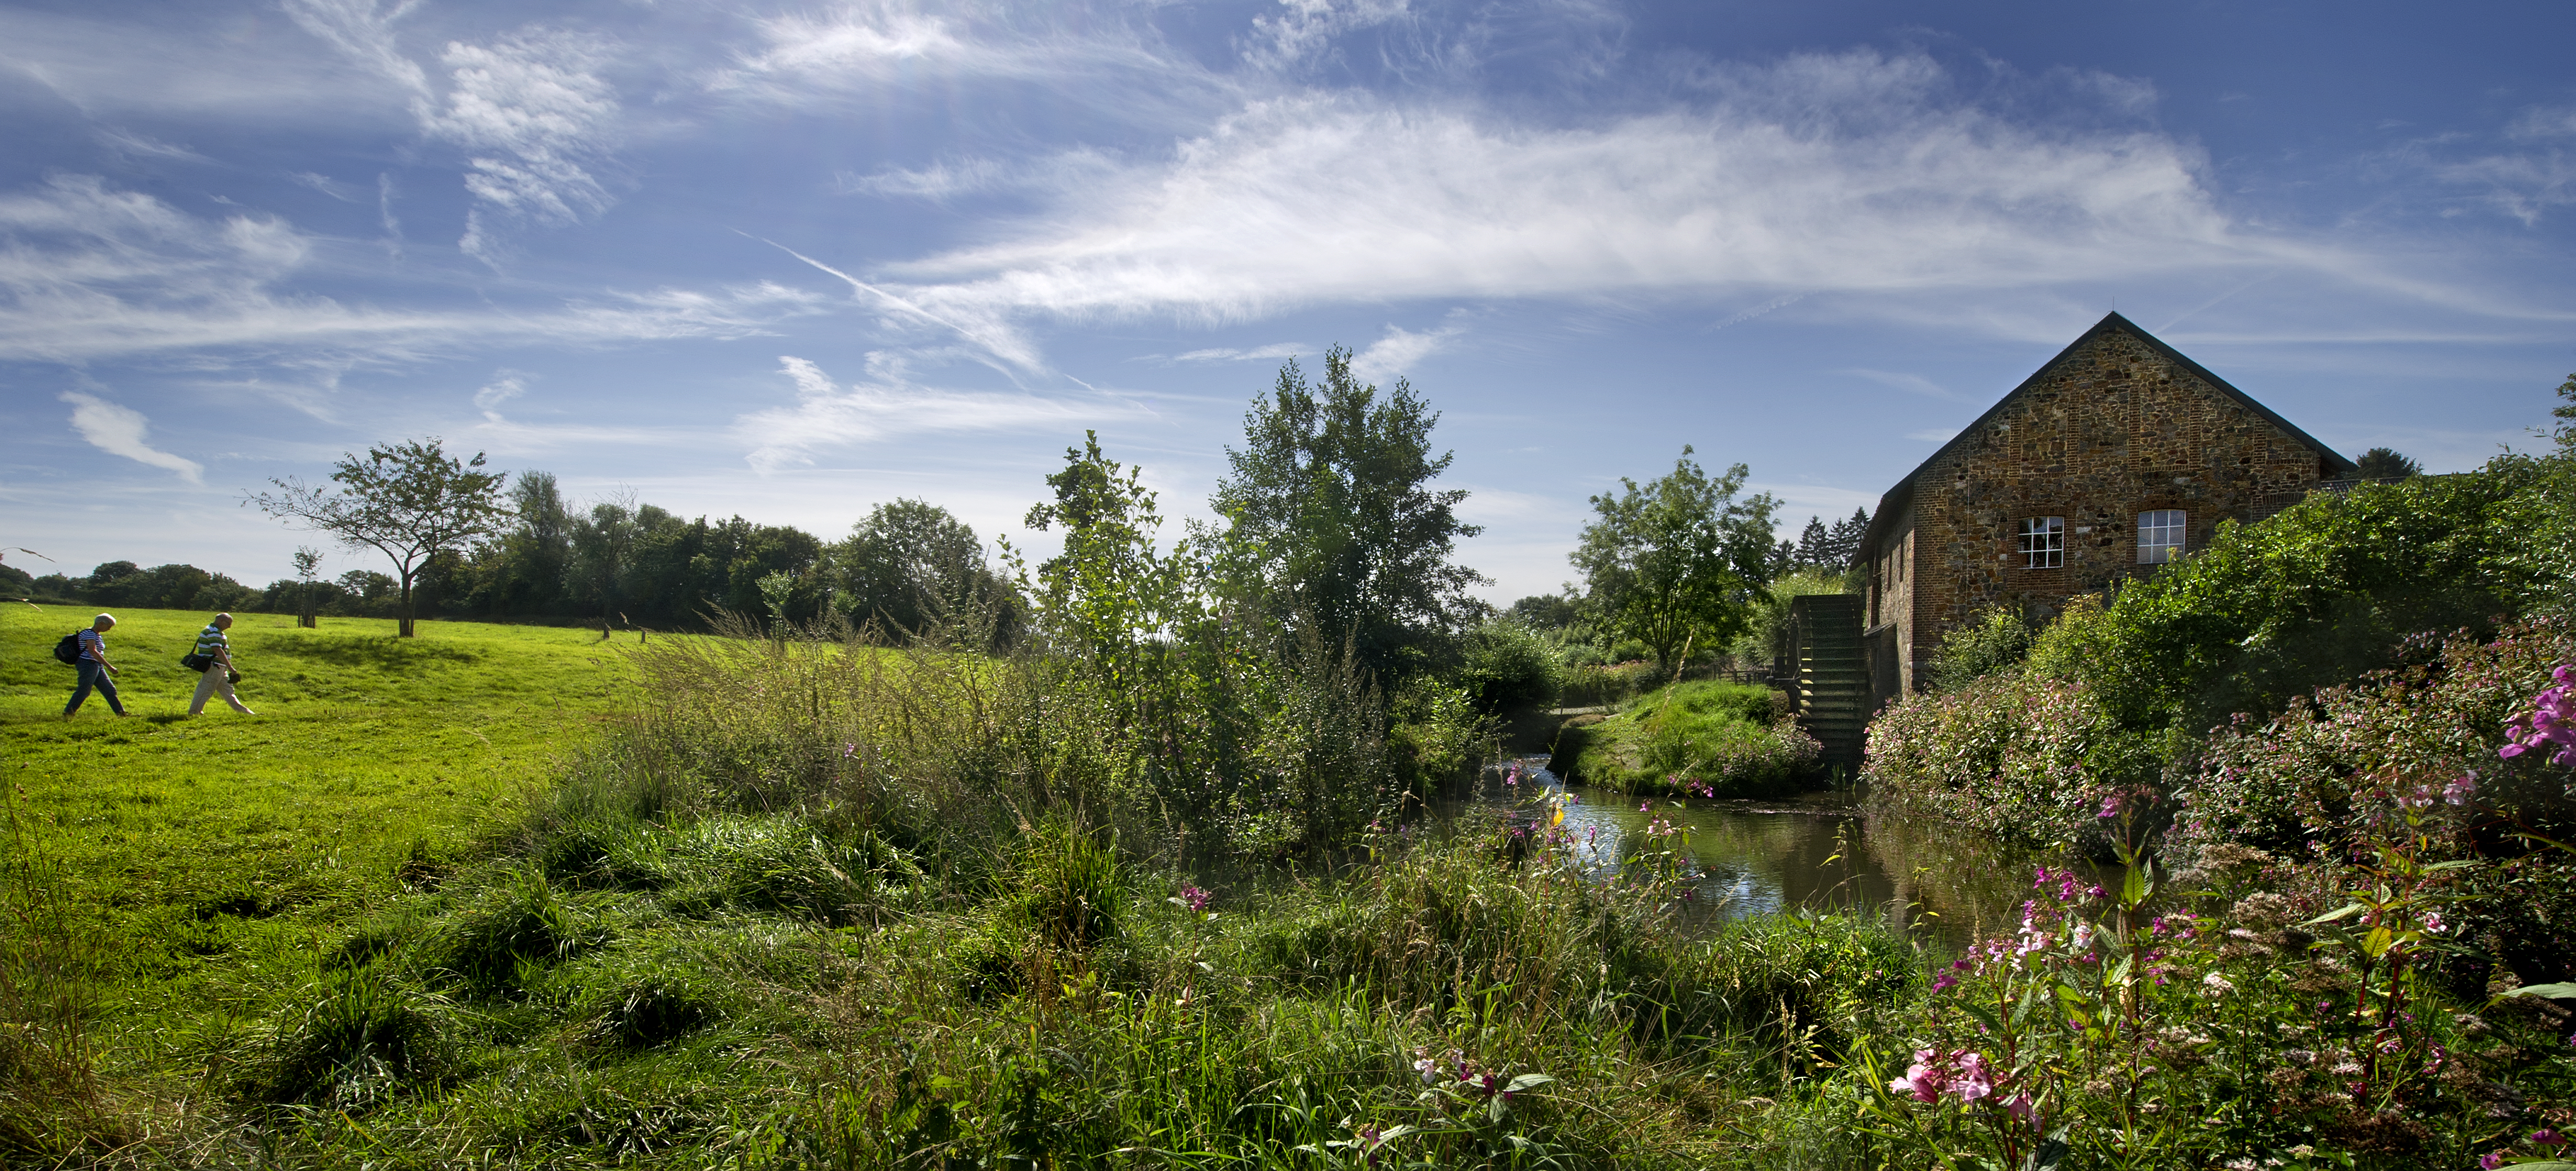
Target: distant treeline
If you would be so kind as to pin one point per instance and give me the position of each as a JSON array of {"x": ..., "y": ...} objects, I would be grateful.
[{"x": 620, "y": 563}]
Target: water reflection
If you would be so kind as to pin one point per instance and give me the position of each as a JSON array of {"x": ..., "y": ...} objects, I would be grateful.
[{"x": 1938, "y": 883}]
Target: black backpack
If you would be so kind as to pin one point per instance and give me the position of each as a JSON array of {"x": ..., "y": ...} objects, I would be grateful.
[{"x": 68, "y": 650}]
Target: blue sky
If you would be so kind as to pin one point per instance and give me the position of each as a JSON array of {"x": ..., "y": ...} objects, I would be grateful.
[{"x": 791, "y": 260}]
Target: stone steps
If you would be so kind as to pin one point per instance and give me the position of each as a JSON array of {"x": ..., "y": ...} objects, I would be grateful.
[{"x": 1830, "y": 683}]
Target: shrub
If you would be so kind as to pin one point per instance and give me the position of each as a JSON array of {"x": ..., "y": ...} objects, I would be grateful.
[
  {"x": 2027, "y": 759},
  {"x": 1509, "y": 665},
  {"x": 1997, "y": 641},
  {"x": 1706, "y": 737}
]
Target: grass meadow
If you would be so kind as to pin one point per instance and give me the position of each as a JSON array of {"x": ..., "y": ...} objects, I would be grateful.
[
  {"x": 506, "y": 897},
  {"x": 197, "y": 862}
]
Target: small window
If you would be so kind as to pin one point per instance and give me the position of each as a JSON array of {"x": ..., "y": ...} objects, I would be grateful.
[
  {"x": 2159, "y": 536},
  {"x": 2043, "y": 542}
]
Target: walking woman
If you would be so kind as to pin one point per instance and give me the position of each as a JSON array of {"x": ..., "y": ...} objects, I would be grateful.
[
  {"x": 94, "y": 667},
  {"x": 217, "y": 653}
]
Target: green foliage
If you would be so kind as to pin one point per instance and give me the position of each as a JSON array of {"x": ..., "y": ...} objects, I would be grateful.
[
  {"x": 2022, "y": 756},
  {"x": 1997, "y": 641},
  {"x": 1705, "y": 737},
  {"x": 2315, "y": 595},
  {"x": 1332, "y": 485},
  {"x": 1679, "y": 561},
  {"x": 1505, "y": 665},
  {"x": 1755, "y": 644},
  {"x": 2385, "y": 463},
  {"x": 912, "y": 566},
  {"x": 409, "y": 501},
  {"x": 1065, "y": 891}
]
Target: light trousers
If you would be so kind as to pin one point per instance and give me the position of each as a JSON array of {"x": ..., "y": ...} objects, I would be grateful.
[{"x": 215, "y": 681}]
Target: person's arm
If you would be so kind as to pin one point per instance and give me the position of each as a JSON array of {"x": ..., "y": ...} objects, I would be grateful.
[{"x": 100, "y": 648}]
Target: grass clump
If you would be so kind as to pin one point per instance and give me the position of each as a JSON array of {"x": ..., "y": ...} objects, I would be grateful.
[
  {"x": 358, "y": 1036},
  {"x": 1705, "y": 737}
]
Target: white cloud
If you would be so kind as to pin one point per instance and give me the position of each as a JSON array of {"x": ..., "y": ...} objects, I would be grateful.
[
  {"x": 535, "y": 116},
  {"x": 2535, "y": 176},
  {"x": 1397, "y": 352},
  {"x": 1934, "y": 435},
  {"x": 888, "y": 405},
  {"x": 1850, "y": 172},
  {"x": 505, "y": 385},
  {"x": 364, "y": 31},
  {"x": 119, "y": 431},
  {"x": 88, "y": 271},
  {"x": 1273, "y": 352}
]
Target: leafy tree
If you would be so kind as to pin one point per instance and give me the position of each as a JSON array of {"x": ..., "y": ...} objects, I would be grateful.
[
  {"x": 535, "y": 556},
  {"x": 408, "y": 501},
  {"x": 1333, "y": 485},
  {"x": 907, "y": 564},
  {"x": 2384, "y": 463},
  {"x": 1545, "y": 612},
  {"x": 603, "y": 549},
  {"x": 1679, "y": 560}
]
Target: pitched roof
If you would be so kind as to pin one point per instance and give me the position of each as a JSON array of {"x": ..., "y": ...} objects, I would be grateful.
[{"x": 1893, "y": 502}]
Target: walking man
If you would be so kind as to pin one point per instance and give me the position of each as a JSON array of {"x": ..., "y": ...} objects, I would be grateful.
[
  {"x": 94, "y": 667},
  {"x": 217, "y": 650}
]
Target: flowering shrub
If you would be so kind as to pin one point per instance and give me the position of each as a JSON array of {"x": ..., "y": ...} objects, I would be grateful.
[
  {"x": 2027, "y": 759},
  {"x": 2551, "y": 723},
  {"x": 2279, "y": 1028}
]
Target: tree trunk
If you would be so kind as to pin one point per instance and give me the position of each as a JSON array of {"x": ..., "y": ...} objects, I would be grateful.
[
  {"x": 402, "y": 610},
  {"x": 304, "y": 606}
]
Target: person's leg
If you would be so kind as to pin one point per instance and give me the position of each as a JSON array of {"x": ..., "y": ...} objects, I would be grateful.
[
  {"x": 89, "y": 677},
  {"x": 224, "y": 686},
  {"x": 206, "y": 684},
  {"x": 107, "y": 691}
]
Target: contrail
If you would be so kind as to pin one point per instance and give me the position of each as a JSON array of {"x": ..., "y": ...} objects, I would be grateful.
[{"x": 1013, "y": 354}]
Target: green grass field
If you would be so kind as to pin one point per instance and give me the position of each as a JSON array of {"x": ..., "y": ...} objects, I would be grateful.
[{"x": 203, "y": 858}]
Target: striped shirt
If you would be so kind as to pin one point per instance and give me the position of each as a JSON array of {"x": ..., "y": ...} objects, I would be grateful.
[
  {"x": 210, "y": 640},
  {"x": 93, "y": 646}
]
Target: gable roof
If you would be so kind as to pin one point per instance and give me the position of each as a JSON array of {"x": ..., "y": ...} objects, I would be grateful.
[{"x": 1895, "y": 499}]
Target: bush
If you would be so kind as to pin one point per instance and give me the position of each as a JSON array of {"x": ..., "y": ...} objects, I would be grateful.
[
  {"x": 2026, "y": 758},
  {"x": 1998, "y": 641},
  {"x": 1707, "y": 737},
  {"x": 1508, "y": 665}
]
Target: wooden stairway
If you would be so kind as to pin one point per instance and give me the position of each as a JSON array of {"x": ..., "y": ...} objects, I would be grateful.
[{"x": 1827, "y": 677}]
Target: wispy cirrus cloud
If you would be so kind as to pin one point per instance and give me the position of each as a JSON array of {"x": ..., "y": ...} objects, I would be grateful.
[
  {"x": 889, "y": 404},
  {"x": 537, "y": 120},
  {"x": 119, "y": 430},
  {"x": 1851, "y": 172},
  {"x": 1396, "y": 352},
  {"x": 91, "y": 271}
]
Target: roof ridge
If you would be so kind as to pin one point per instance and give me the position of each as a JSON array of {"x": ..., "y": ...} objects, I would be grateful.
[{"x": 2111, "y": 321}]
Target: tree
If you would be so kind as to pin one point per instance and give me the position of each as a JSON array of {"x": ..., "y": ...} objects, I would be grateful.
[
  {"x": 1679, "y": 560},
  {"x": 536, "y": 555},
  {"x": 603, "y": 549},
  {"x": 1332, "y": 483},
  {"x": 907, "y": 564},
  {"x": 308, "y": 565},
  {"x": 1813, "y": 543},
  {"x": 2384, "y": 463},
  {"x": 408, "y": 501},
  {"x": 1842, "y": 545}
]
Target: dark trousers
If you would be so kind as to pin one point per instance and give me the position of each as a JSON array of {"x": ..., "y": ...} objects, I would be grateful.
[{"x": 94, "y": 674}]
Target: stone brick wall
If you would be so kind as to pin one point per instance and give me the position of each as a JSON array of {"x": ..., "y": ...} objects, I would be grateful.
[{"x": 2114, "y": 429}]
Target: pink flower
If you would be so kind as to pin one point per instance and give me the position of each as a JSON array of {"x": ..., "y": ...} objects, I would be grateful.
[
  {"x": 1974, "y": 1081},
  {"x": 2491, "y": 1160},
  {"x": 1194, "y": 898},
  {"x": 2547, "y": 1137}
]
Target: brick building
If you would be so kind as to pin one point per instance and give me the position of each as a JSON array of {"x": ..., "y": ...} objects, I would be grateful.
[{"x": 2118, "y": 455}]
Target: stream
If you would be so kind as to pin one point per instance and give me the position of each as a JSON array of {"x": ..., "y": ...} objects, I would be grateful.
[{"x": 1817, "y": 851}]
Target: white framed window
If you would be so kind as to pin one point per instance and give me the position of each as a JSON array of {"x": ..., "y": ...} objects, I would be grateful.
[
  {"x": 2159, "y": 536},
  {"x": 2043, "y": 542}
]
